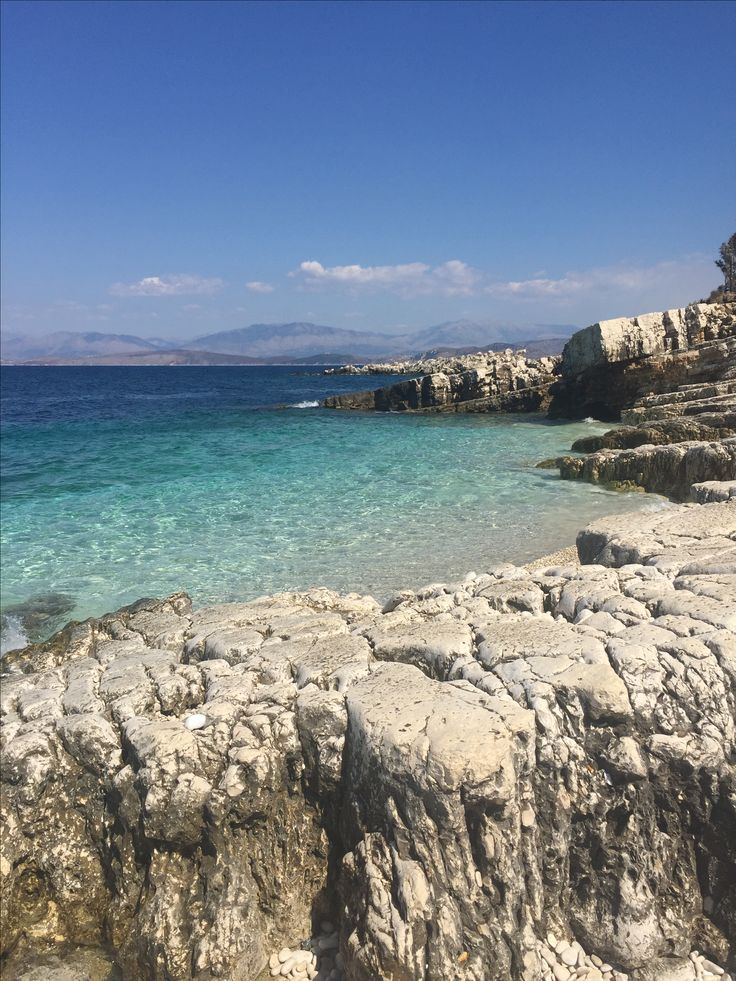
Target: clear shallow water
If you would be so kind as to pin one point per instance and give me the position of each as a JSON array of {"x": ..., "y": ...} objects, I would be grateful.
[{"x": 125, "y": 482}]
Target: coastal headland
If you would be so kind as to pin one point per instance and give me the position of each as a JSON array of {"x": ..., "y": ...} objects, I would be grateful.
[{"x": 527, "y": 773}]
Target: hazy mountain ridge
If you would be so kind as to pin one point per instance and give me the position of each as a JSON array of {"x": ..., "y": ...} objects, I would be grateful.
[
  {"x": 77, "y": 344},
  {"x": 266, "y": 343}
]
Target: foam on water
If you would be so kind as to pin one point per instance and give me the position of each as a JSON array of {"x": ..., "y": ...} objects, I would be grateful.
[
  {"x": 305, "y": 405},
  {"x": 112, "y": 497},
  {"x": 12, "y": 635}
]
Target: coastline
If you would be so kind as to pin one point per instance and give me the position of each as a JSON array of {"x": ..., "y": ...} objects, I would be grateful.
[
  {"x": 484, "y": 779},
  {"x": 283, "y": 710}
]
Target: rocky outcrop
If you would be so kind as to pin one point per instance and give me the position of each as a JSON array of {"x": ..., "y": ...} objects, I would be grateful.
[
  {"x": 635, "y": 338},
  {"x": 710, "y": 491},
  {"x": 477, "y": 383},
  {"x": 672, "y": 441},
  {"x": 448, "y": 365},
  {"x": 670, "y": 470},
  {"x": 660, "y": 433},
  {"x": 604, "y": 369},
  {"x": 609, "y": 366},
  {"x": 514, "y": 776}
]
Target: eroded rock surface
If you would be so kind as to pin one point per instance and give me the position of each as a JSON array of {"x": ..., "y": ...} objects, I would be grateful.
[
  {"x": 671, "y": 469},
  {"x": 492, "y": 382},
  {"x": 603, "y": 370},
  {"x": 449, "y": 779}
]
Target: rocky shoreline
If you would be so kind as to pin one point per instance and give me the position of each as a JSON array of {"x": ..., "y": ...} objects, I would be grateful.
[
  {"x": 448, "y": 779},
  {"x": 526, "y": 774},
  {"x": 603, "y": 369}
]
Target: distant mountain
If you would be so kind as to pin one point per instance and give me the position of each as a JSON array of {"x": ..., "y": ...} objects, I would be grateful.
[
  {"x": 73, "y": 344},
  {"x": 269, "y": 343},
  {"x": 296, "y": 340},
  {"x": 173, "y": 356},
  {"x": 306, "y": 340},
  {"x": 479, "y": 334}
]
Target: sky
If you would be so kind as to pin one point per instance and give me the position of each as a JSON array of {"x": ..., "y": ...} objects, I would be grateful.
[{"x": 172, "y": 169}]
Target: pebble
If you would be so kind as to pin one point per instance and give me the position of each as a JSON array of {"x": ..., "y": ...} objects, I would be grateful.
[
  {"x": 478, "y": 879},
  {"x": 548, "y": 956},
  {"x": 195, "y": 722},
  {"x": 528, "y": 819},
  {"x": 319, "y": 959},
  {"x": 713, "y": 968}
]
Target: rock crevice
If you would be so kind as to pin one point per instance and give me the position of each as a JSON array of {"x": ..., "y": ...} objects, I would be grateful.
[{"x": 448, "y": 778}]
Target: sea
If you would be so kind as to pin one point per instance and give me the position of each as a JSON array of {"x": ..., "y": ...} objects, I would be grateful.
[{"x": 231, "y": 483}]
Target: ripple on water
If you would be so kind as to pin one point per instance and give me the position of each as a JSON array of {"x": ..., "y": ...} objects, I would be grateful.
[{"x": 228, "y": 503}]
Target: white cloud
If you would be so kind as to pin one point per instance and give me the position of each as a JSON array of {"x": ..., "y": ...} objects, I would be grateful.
[
  {"x": 452, "y": 278},
  {"x": 621, "y": 279},
  {"x": 181, "y": 284},
  {"x": 256, "y": 286},
  {"x": 457, "y": 278}
]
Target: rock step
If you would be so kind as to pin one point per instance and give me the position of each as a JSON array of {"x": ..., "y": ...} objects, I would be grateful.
[
  {"x": 670, "y": 410},
  {"x": 687, "y": 393}
]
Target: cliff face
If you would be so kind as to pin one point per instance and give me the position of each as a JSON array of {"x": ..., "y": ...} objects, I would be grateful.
[
  {"x": 516, "y": 776},
  {"x": 670, "y": 442},
  {"x": 604, "y": 369},
  {"x": 609, "y": 365},
  {"x": 651, "y": 334},
  {"x": 480, "y": 383}
]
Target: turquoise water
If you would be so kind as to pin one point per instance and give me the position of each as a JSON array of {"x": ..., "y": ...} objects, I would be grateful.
[{"x": 122, "y": 483}]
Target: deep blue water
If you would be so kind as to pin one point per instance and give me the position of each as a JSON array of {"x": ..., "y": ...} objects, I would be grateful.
[{"x": 124, "y": 482}]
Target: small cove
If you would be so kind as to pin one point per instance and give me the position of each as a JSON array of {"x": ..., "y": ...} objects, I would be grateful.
[{"x": 127, "y": 482}]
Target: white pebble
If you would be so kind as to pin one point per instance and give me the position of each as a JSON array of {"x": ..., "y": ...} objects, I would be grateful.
[
  {"x": 713, "y": 968},
  {"x": 596, "y": 960},
  {"x": 273, "y": 960},
  {"x": 478, "y": 879},
  {"x": 548, "y": 956},
  {"x": 552, "y": 940},
  {"x": 569, "y": 956},
  {"x": 195, "y": 722},
  {"x": 284, "y": 954}
]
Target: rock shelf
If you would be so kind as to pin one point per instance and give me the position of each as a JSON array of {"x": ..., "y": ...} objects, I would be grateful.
[
  {"x": 448, "y": 779},
  {"x": 603, "y": 370}
]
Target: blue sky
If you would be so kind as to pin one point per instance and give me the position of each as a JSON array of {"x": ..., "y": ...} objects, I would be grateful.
[{"x": 170, "y": 169}]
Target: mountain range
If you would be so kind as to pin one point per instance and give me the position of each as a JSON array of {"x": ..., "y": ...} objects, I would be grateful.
[{"x": 271, "y": 343}]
